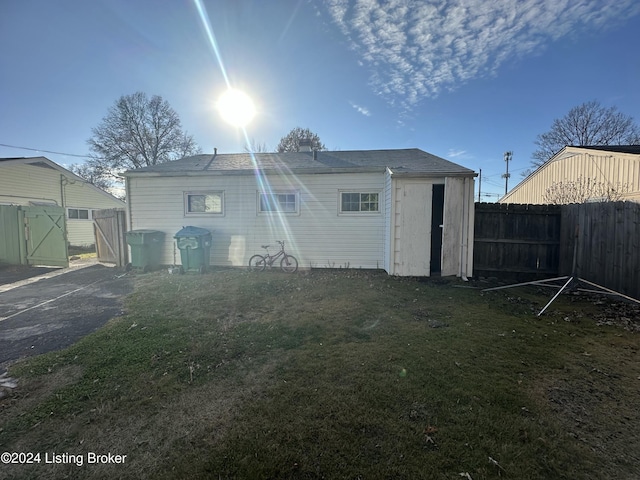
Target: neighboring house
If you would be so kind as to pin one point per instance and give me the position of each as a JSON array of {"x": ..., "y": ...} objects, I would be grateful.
[
  {"x": 405, "y": 211},
  {"x": 39, "y": 181},
  {"x": 614, "y": 167}
]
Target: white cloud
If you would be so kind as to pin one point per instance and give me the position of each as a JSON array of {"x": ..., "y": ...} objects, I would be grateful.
[
  {"x": 363, "y": 110},
  {"x": 419, "y": 48},
  {"x": 462, "y": 154}
]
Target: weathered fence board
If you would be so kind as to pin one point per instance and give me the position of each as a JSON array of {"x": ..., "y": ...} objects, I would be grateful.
[
  {"x": 109, "y": 227},
  {"x": 519, "y": 240},
  {"x": 608, "y": 244}
]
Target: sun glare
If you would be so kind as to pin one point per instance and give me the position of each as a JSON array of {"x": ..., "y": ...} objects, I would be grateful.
[{"x": 236, "y": 108}]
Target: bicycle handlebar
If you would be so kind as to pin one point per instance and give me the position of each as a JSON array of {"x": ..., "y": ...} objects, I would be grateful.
[{"x": 278, "y": 241}]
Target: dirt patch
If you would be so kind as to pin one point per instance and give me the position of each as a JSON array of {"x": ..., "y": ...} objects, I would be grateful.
[
  {"x": 594, "y": 409},
  {"x": 26, "y": 392},
  {"x": 191, "y": 421}
]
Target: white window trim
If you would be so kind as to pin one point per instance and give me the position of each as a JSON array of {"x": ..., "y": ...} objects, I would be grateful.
[
  {"x": 278, "y": 212},
  {"x": 376, "y": 212},
  {"x": 90, "y": 214},
  {"x": 187, "y": 213}
]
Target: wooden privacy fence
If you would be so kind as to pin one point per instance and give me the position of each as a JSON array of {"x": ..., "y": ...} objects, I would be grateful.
[
  {"x": 516, "y": 240},
  {"x": 608, "y": 244},
  {"x": 538, "y": 241},
  {"x": 109, "y": 228}
]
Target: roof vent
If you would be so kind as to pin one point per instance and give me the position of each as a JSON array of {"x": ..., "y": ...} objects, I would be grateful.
[{"x": 305, "y": 145}]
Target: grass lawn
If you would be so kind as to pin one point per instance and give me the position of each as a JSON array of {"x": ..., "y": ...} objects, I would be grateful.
[
  {"x": 82, "y": 252},
  {"x": 337, "y": 375}
]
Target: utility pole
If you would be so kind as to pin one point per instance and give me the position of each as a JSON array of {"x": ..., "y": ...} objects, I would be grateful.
[
  {"x": 507, "y": 158},
  {"x": 479, "y": 185}
]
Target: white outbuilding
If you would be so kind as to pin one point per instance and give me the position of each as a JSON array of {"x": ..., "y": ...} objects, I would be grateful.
[{"x": 405, "y": 211}]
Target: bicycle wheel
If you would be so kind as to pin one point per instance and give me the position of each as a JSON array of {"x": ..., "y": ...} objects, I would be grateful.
[
  {"x": 289, "y": 264},
  {"x": 257, "y": 263}
]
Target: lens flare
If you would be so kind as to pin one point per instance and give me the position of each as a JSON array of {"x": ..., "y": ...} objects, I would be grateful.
[{"x": 236, "y": 108}]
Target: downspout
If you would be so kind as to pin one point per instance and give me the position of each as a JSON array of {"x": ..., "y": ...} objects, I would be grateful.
[
  {"x": 63, "y": 182},
  {"x": 127, "y": 192},
  {"x": 62, "y": 179}
]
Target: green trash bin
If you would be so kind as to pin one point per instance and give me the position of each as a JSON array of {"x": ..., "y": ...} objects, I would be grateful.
[
  {"x": 194, "y": 244},
  {"x": 146, "y": 247}
]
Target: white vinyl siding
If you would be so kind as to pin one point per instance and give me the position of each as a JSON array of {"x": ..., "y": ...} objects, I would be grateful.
[
  {"x": 20, "y": 184},
  {"x": 317, "y": 235},
  {"x": 84, "y": 196}
]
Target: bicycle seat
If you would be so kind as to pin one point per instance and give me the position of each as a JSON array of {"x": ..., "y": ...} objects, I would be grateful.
[{"x": 265, "y": 246}]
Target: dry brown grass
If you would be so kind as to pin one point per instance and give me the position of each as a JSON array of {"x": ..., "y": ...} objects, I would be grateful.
[{"x": 335, "y": 375}]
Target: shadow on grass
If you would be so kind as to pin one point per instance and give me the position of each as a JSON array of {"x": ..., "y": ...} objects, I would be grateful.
[{"x": 331, "y": 374}]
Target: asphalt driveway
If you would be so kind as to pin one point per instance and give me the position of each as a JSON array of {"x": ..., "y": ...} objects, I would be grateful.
[{"x": 53, "y": 313}]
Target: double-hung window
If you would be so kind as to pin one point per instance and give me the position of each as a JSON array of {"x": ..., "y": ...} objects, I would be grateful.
[
  {"x": 203, "y": 203},
  {"x": 78, "y": 214},
  {"x": 282, "y": 202},
  {"x": 359, "y": 202}
]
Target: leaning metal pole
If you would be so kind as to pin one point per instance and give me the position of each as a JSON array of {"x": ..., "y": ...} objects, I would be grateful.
[
  {"x": 574, "y": 268},
  {"x": 562, "y": 289},
  {"x": 571, "y": 281}
]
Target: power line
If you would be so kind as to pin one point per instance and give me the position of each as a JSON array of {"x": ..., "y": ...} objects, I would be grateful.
[{"x": 45, "y": 151}]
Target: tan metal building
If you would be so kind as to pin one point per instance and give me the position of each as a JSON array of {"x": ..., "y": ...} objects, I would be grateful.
[{"x": 603, "y": 167}]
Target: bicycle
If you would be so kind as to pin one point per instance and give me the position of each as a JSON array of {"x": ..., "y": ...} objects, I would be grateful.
[{"x": 288, "y": 263}]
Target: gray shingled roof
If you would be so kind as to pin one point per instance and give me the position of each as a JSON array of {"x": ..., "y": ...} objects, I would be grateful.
[
  {"x": 408, "y": 161},
  {"x": 635, "y": 149}
]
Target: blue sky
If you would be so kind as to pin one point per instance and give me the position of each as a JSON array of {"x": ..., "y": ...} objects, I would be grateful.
[{"x": 463, "y": 79}]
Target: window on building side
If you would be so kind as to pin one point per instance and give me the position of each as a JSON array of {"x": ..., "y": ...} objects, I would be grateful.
[
  {"x": 209, "y": 203},
  {"x": 78, "y": 214},
  {"x": 359, "y": 202},
  {"x": 278, "y": 202}
]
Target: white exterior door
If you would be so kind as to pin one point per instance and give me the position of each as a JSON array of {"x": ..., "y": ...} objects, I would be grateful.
[
  {"x": 414, "y": 247},
  {"x": 453, "y": 224},
  {"x": 457, "y": 241}
]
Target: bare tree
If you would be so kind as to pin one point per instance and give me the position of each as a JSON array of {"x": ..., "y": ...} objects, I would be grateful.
[
  {"x": 92, "y": 175},
  {"x": 255, "y": 147},
  {"x": 587, "y": 124},
  {"x": 291, "y": 142},
  {"x": 583, "y": 190},
  {"x": 137, "y": 132}
]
